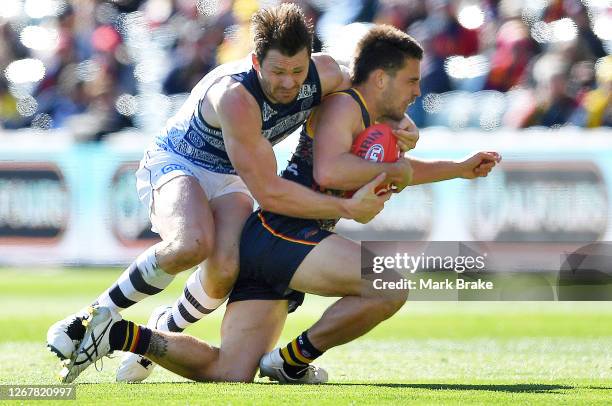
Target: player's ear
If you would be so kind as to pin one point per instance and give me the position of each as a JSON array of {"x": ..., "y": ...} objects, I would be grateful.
[
  {"x": 255, "y": 62},
  {"x": 380, "y": 78}
]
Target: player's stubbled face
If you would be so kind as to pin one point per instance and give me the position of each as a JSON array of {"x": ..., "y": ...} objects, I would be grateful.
[
  {"x": 403, "y": 89},
  {"x": 282, "y": 76}
]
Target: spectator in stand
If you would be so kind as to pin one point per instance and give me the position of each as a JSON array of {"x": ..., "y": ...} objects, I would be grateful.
[
  {"x": 514, "y": 49},
  {"x": 588, "y": 45},
  {"x": 552, "y": 107},
  {"x": 9, "y": 116},
  {"x": 598, "y": 102},
  {"x": 91, "y": 66}
]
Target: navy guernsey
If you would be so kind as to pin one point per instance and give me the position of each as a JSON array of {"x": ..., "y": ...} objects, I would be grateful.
[{"x": 188, "y": 135}]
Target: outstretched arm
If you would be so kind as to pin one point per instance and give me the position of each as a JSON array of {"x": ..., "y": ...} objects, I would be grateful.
[{"x": 475, "y": 166}]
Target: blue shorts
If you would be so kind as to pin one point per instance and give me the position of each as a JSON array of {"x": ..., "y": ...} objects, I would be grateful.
[{"x": 272, "y": 247}]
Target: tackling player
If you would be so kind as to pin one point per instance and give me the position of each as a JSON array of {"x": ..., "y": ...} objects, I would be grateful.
[{"x": 189, "y": 175}]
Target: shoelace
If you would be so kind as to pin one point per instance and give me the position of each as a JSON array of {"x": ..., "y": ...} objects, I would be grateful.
[
  {"x": 95, "y": 353},
  {"x": 309, "y": 370},
  {"x": 94, "y": 345}
]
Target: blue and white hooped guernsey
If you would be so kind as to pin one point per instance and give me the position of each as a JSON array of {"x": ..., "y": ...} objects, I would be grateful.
[{"x": 188, "y": 135}]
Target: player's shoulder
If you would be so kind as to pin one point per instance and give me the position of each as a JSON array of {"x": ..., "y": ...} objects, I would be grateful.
[
  {"x": 232, "y": 98},
  {"x": 341, "y": 106},
  {"x": 329, "y": 71},
  {"x": 341, "y": 100},
  {"x": 324, "y": 61}
]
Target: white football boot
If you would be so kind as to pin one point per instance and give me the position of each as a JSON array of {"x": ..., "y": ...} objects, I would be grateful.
[
  {"x": 135, "y": 367},
  {"x": 58, "y": 337},
  {"x": 271, "y": 365},
  {"x": 94, "y": 345}
]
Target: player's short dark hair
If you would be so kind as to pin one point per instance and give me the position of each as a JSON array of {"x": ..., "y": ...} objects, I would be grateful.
[
  {"x": 383, "y": 47},
  {"x": 283, "y": 28}
]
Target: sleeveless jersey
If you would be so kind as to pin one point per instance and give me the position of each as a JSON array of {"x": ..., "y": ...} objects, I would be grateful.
[
  {"x": 188, "y": 135},
  {"x": 300, "y": 168}
]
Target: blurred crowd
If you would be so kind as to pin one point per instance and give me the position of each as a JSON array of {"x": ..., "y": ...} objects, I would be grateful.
[{"x": 98, "y": 66}]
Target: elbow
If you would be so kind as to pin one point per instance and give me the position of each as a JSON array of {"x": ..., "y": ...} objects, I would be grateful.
[
  {"x": 267, "y": 204},
  {"x": 267, "y": 197},
  {"x": 265, "y": 200},
  {"x": 323, "y": 177}
]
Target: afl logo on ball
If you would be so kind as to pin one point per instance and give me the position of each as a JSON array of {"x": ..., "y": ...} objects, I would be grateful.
[{"x": 376, "y": 153}]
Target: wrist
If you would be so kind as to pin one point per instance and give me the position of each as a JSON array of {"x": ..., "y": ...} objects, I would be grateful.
[
  {"x": 394, "y": 171},
  {"x": 345, "y": 208},
  {"x": 457, "y": 169}
]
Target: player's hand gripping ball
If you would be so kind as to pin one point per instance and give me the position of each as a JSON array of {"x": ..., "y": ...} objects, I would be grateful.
[{"x": 377, "y": 144}]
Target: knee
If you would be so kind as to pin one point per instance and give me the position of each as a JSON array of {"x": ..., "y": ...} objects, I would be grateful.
[
  {"x": 387, "y": 307},
  {"x": 240, "y": 376},
  {"x": 221, "y": 272},
  {"x": 205, "y": 374},
  {"x": 191, "y": 251}
]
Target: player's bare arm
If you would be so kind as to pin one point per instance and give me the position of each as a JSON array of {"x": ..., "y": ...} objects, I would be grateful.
[
  {"x": 254, "y": 160},
  {"x": 476, "y": 165},
  {"x": 333, "y": 76},
  {"x": 337, "y": 121}
]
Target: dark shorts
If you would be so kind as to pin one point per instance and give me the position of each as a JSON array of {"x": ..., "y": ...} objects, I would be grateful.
[{"x": 272, "y": 247}]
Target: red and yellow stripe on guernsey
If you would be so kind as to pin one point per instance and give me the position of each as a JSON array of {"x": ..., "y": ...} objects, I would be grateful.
[
  {"x": 136, "y": 337},
  {"x": 282, "y": 236}
]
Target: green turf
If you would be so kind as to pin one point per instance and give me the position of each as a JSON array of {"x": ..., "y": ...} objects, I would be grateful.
[{"x": 429, "y": 353}]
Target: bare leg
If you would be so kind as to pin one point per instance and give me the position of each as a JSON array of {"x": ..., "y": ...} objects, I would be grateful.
[
  {"x": 333, "y": 269},
  {"x": 221, "y": 269},
  {"x": 350, "y": 318},
  {"x": 181, "y": 353},
  {"x": 249, "y": 330},
  {"x": 209, "y": 285},
  {"x": 183, "y": 216}
]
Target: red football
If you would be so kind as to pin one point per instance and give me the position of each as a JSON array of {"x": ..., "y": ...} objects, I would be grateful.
[{"x": 377, "y": 144}]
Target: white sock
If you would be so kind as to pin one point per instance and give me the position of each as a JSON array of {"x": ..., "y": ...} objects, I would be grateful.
[
  {"x": 192, "y": 305},
  {"x": 143, "y": 278}
]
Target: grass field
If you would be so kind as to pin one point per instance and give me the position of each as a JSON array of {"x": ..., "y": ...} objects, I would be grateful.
[{"x": 429, "y": 353}]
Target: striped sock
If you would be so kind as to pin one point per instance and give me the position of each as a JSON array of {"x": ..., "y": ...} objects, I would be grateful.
[
  {"x": 298, "y": 354},
  {"x": 127, "y": 336},
  {"x": 191, "y": 306},
  {"x": 141, "y": 279}
]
